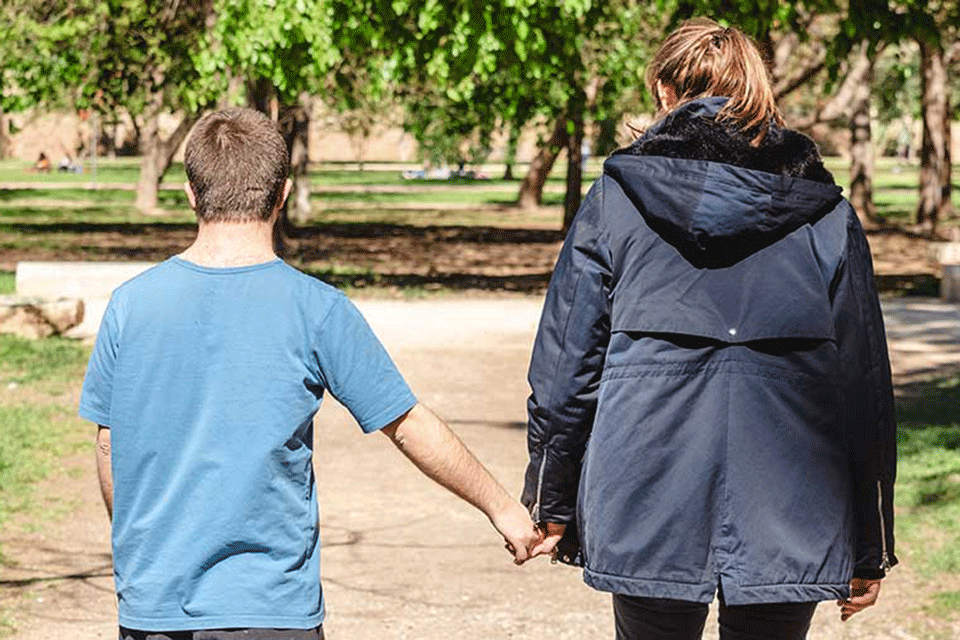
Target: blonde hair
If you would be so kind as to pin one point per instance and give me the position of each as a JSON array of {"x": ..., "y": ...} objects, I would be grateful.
[{"x": 702, "y": 59}]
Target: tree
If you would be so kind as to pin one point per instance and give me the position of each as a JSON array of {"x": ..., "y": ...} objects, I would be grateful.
[
  {"x": 509, "y": 63},
  {"x": 110, "y": 56},
  {"x": 935, "y": 162},
  {"x": 933, "y": 25},
  {"x": 283, "y": 51},
  {"x": 861, "y": 150}
]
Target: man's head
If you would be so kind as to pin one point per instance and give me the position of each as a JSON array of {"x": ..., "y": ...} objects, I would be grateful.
[{"x": 237, "y": 166}]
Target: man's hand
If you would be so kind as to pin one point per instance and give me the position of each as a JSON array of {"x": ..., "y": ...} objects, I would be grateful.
[
  {"x": 552, "y": 532},
  {"x": 518, "y": 531},
  {"x": 863, "y": 594}
]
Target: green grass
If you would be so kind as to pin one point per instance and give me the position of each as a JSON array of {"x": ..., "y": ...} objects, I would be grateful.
[
  {"x": 53, "y": 361},
  {"x": 946, "y": 604},
  {"x": 37, "y": 425},
  {"x": 8, "y": 283},
  {"x": 895, "y": 187},
  {"x": 31, "y": 442},
  {"x": 928, "y": 482}
]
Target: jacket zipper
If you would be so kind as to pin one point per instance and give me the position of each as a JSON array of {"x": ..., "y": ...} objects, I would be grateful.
[
  {"x": 535, "y": 512},
  {"x": 884, "y": 559}
]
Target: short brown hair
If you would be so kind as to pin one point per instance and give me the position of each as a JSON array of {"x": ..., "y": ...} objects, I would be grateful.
[
  {"x": 702, "y": 59},
  {"x": 237, "y": 164}
]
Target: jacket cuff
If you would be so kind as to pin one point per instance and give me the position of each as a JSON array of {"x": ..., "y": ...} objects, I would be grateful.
[{"x": 869, "y": 573}]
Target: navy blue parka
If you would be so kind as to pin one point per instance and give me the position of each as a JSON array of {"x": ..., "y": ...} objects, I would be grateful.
[{"x": 711, "y": 397}]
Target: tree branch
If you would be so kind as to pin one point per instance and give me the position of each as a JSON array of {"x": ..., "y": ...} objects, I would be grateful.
[{"x": 787, "y": 85}]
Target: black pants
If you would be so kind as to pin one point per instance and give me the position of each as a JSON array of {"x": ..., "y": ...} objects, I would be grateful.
[
  {"x": 662, "y": 619},
  {"x": 225, "y": 634}
]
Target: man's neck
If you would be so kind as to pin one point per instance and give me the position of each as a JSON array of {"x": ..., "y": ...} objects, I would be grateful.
[{"x": 231, "y": 244}]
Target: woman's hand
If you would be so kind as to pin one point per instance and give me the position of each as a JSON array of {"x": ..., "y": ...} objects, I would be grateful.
[
  {"x": 863, "y": 594},
  {"x": 552, "y": 533}
]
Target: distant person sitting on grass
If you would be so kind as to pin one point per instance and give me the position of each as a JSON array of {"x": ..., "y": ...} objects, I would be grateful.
[
  {"x": 67, "y": 165},
  {"x": 206, "y": 375},
  {"x": 42, "y": 165}
]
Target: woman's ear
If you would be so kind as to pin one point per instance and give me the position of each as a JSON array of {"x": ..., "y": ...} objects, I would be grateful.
[{"x": 666, "y": 95}]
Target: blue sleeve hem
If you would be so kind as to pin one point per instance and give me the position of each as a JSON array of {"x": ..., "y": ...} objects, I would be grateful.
[
  {"x": 382, "y": 418},
  {"x": 94, "y": 415}
]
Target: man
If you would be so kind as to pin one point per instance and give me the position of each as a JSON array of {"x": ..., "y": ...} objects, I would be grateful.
[{"x": 206, "y": 375}]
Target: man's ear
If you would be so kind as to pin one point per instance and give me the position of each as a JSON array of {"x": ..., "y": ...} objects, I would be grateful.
[
  {"x": 191, "y": 198},
  {"x": 286, "y": 192}
]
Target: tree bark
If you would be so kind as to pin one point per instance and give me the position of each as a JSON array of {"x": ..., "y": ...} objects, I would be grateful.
[
  {"x": 157, "y": 156},
  {"x": 294, "y": 121},
  {"x": 297, "y": 129},
  {"x": 861, "y": 148},
  {"x": 531, "y": 189},
  {"x": 574, "y": 126},
  {"x": 935, "y": 163},
  {"x": 513, "y": 139},
  {"x": 4, "y": 137}
]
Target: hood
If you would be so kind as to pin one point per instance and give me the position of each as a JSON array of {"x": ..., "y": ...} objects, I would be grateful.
[{"x": 680, "y": 177}]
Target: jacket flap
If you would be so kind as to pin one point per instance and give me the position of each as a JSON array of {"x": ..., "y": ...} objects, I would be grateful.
[{"x": 778, "y": 292}]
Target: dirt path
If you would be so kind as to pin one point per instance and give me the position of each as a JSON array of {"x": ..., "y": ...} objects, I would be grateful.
[{"x": 401, "y": 558}]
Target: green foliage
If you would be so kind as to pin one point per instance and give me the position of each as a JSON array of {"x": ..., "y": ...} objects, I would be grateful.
[
  {"x": 756, "y": 18},
  {"x": 469, "y": 68},
  {"x": 106, "y": 55},
  {"x": 286, "y": 42}
]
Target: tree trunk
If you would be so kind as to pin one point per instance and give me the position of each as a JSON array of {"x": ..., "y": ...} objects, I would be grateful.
[
  {"x": 297, "y": 129},
  {"x": 260, "y": 95},
  {"x": 861, "y": 149},
  {"x": 294, "y": 123},
  {"x": 513, "y": 138},
  {"x": 4, "y": 137},
  {"x": 157, "y": 156},
  {"x": 935, "y": 166},
  {"x": 531, "y": 189},
  {"x": 571, "y": 200}
]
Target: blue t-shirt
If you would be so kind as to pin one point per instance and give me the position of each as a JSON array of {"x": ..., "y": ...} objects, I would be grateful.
[{"x": 209, "y": 379}]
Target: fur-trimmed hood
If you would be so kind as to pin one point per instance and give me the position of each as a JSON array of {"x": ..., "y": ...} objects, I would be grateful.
[{"x": 717, "y": 199}]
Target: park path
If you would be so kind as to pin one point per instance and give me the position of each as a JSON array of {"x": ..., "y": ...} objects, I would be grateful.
[{"x": 402, "y": 558}]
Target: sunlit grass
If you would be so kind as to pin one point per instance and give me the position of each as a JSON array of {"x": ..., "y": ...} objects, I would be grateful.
[{"x": 928, "y": 481}]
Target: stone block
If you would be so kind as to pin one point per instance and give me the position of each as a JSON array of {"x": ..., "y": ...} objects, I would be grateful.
[{"x": 31, "y": 317}]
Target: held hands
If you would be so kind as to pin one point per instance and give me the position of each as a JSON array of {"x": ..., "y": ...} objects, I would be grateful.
[
  {"x": 863, "y": 594},
  {"x": 551, "y": 532},
  {"x": 545, "y": 542},
  {"x": 519, "y": 533}
]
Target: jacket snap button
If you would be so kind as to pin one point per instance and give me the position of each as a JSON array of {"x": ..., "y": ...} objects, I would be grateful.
[{"x": 732, "y": 332}]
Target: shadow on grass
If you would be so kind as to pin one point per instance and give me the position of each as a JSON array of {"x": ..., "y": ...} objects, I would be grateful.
[
  {"x": 454, "y": 282},
  {"x": 452, "y": 233},
  {"x": 909, "y": 284}
]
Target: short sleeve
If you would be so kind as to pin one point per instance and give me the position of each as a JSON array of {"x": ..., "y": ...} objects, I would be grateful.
[
  {"x": 95, "y": 400},
  {"x": 358, "y": 371}
]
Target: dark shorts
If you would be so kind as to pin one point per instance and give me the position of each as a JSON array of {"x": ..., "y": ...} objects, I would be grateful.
[{"x": 224, "y": 634}]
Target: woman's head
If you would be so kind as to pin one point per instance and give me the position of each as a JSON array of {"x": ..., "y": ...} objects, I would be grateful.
[{"x": 702, "y": 59}]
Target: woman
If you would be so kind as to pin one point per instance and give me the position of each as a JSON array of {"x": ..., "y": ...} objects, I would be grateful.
[{"x": 712, "y": 406}]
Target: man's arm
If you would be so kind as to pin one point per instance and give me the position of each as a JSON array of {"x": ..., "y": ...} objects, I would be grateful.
[
  {"x": 103, "y": 468},
  {"x": 430, "y": 444}
]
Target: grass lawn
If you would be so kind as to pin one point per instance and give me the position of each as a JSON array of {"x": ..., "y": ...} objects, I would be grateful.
[
  {"x": 37, "y": 417},
  {"x": 928, "y": 487}
]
